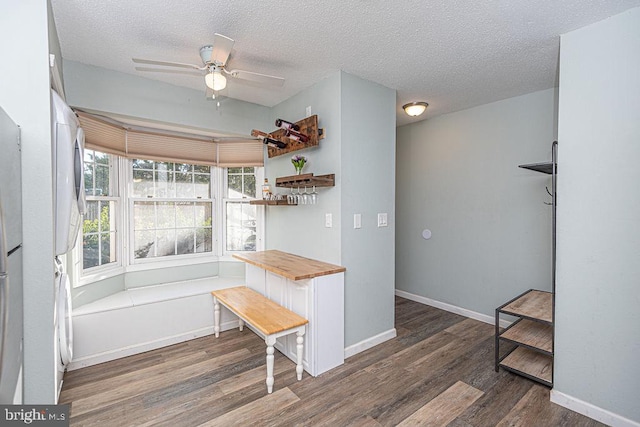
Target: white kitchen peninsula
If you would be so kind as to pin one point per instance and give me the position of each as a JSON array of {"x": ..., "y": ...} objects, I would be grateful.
[{"x": 313, "y": 289}]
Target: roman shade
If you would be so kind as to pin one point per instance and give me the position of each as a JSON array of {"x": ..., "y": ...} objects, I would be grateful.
[{"x": 112, "y": 137}]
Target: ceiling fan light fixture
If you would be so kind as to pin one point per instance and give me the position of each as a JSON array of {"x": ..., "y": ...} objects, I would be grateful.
[
  {"x": 414, "y": 109},
  {"x": 215, "y": 80}
]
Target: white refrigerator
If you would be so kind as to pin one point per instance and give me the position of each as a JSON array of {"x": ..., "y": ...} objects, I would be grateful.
[{"x": 11, "y": 332}]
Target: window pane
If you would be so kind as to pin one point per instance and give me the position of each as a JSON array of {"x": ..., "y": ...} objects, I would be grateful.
[
  {"x": 183, "y": 168},
  {"x": 144, "y": 244},
  {"x": 202, "y": 169},
  {"x": 90, "y": 256},
  {"x": 250, "y": 186},
  {"x": 144, "y": 216},
  {"x": 234, "y": 170},
  {"x": 102, "y": 180},
  {"x": 235, "y": 186},
  {"x": 166, "y": 215},
  {"x": 203, "y": 240},
  {"x": 203, "y": 214},
  {"x": 184, "y": 185},
  {"x": 164, "y": 184},
  {"x": 105, "y": 243},
  {"x": 185, "y": 214},
  {"x": 202, "y": 185},
  {"x": 166, "y": 241},
  {"x": 88, "y": 179},
  {"x": 101, "y": 158},
  {"x": 185, "y": 241},
  {"x": 142, "y": 183},
  {"x": 142, "y": 164},
  {"x": 105, "y": 216},
  {"x": 241, "y": 227}
]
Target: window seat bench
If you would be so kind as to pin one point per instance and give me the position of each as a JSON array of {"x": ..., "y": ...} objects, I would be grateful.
[{"x": 141, "y": 319}]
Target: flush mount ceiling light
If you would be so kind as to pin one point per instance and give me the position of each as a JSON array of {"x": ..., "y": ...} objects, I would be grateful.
[
  {"x": 415, "y": 108},
  {"x": 215, "y": 80}
]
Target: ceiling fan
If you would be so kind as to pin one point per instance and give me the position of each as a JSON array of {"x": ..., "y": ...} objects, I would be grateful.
[{"x": 214, "y": 68}]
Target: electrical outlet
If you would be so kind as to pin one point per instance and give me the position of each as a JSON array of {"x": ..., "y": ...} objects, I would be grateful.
[
  {"x": 382, "y": 220},
  {"x": 308, "y": 111},
  {"x": 328, "y": 220},
  {"x": 357, "y": 221}
]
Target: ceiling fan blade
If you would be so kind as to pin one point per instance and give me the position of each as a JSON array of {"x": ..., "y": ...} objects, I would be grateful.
[
  {"x": 256, "y": 77},
  {"x": 168, "y": 64},
  {"x": 160, "y": 70},
  {"x": 222, "y": 46}
]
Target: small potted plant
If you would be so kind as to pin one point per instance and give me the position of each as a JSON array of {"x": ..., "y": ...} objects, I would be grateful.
[{"x": 298, "y": 162}]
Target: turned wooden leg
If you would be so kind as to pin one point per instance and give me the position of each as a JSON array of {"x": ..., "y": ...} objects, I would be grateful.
[
  {"x": 240, "y": 324},
  {"x": 270, "y": 342},
  {"x": 216, "y": 317},
  {"x": 299, "y": 348}
]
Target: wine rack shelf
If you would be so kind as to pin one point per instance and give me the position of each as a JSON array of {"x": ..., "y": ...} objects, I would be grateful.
[
  {"x": 308, "y": 126},
  {"x": 307, "y": 179}
]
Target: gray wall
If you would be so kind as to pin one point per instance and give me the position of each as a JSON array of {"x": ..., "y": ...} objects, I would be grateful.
[
  {"x": 25, "y": 96},
  {"x": 99, "y": 89},
  {"x": 598, "y": 273},
  {"x": 458, "y": 176},
  {"x": 367, "y": 156},
  {"x": 300, "y": 229},
  {"x": 359, "y": 120}
]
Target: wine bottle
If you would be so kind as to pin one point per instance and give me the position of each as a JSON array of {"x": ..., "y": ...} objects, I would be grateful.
[
  {"x": 266, "y": 190},
  {"x": 296, "y": 136},
  {"x": 274, "y": 143},
  {"x": 286, "y": 125}
]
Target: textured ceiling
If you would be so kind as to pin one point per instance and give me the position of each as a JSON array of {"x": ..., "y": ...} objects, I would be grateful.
[{"x": 454, "y": 54}]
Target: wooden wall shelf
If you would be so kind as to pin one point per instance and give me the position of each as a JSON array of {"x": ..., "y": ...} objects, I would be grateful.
[
  {"x": 307, "y": 180},
  {"x": 308, "y": 126}
]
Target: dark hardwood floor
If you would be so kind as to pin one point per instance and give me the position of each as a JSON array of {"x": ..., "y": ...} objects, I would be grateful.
[{"x": 438, "y": 371}]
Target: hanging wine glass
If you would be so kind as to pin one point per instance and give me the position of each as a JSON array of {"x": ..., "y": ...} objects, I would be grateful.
[
  {"x": 305, "y": 197},
  {"x": 299, "y": 197},
  {"x": 314, "y": 196},
  {"x": 291, "y": 197}
]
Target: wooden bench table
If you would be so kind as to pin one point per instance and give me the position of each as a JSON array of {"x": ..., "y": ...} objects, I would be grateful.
[{"x": 270, "y": 320}]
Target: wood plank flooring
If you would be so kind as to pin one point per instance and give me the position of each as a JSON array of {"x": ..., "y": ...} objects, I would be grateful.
[{"x": 438, "y": 371}]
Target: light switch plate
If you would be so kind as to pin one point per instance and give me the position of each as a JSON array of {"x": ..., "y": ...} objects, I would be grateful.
[
  {"x": 328, "y": 220},
  {"x": 357, "y": 221},
  {"x": 382, "y": 220},
  {"x": 308, "y": 111}
]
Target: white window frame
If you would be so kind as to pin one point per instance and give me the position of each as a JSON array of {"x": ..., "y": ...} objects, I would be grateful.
[
  {"x": 100, "y": 272},
  {"x": 169, "y": 260},
  {"x": 260, "y": 213}
]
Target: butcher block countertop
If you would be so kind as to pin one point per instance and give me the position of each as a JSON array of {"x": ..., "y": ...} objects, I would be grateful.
[{"x": 291, "y": 266}]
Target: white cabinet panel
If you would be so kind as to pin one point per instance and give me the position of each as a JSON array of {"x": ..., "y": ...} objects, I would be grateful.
[{"x": 321, "y": 301}]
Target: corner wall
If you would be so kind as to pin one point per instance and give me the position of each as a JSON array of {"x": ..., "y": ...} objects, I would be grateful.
[
  {"x": 458, "y": 176},
  {"x": 598, "y": 273},
  {"x": 359, "y": 121},
  {"x": 25, "y": 96}
]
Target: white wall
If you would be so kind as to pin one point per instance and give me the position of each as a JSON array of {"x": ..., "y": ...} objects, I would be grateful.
[
  {"x": 458, "y": 176},
  {"x": 25, "y": 96},
  {"x": 598, "y": 273}
]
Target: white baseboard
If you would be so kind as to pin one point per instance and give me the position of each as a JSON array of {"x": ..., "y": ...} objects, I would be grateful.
[
  {"x": 147, "y": 346},
  {"x": 452, "y": 308},
  {"x": 369, "y": 342},
  {"x": 591, "y": 411}
]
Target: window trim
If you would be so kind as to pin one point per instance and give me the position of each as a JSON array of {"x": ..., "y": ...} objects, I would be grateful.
[
  {"x": 101, "y": 272},
  {"x": 168, "y": 260},
  {"x": 224, "y": 254}
]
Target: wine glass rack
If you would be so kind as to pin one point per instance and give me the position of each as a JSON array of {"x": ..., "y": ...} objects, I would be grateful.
[{"x": 306, "y": 180}]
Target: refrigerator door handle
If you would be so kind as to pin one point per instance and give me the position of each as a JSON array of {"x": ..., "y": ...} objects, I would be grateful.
[{"x": 3, "y": 245}]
